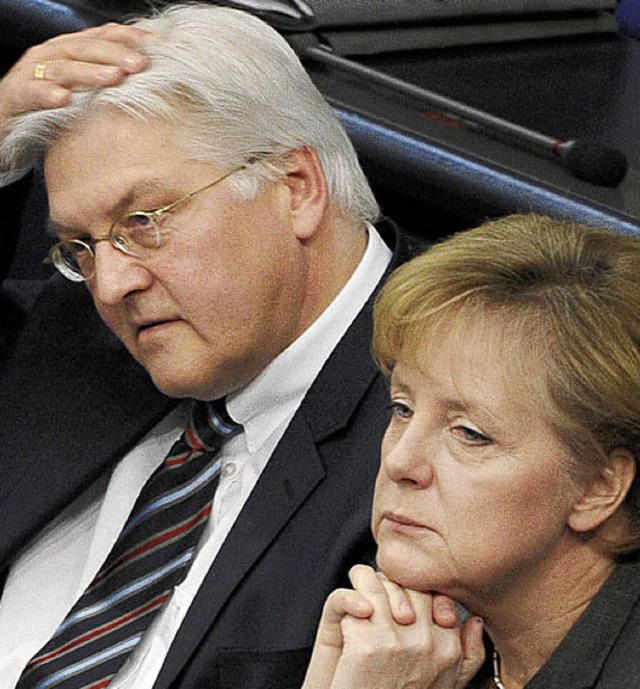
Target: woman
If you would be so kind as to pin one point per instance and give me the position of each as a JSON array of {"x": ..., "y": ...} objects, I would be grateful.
[{"x": 508, "y": 474}]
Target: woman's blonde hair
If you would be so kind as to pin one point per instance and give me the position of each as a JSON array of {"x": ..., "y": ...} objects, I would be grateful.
[{"x": 566, "y": 300}]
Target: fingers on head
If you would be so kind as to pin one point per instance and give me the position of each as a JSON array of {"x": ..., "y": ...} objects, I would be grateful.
[{"x": 87, "y": 48}]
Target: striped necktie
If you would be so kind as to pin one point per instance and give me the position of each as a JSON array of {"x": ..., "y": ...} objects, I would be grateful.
[{"x": 150, "y": 558}]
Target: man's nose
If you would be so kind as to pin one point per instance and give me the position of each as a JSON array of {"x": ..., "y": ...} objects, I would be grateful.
[{"x": 117, "y": 275}]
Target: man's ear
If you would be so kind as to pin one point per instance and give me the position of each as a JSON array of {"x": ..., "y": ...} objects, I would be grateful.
[
  {"x": 308, "y": 194},
  {"x": 604, "y": 493}
]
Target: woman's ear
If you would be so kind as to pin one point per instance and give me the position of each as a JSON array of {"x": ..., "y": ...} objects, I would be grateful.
[
  {"x": 307, "y": 187},
  {"x": 604, "y": 493}
]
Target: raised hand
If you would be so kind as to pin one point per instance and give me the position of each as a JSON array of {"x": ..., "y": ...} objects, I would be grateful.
[{"x": 45, "y": 76}]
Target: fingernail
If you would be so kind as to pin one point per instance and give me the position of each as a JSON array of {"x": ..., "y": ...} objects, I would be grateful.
[
  {"x": 109, "y": 72},
  {"x": 406, "y": 606}
]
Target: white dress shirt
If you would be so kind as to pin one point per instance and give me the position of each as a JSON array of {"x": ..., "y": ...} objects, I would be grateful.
[{"x": 49, "y": 576}]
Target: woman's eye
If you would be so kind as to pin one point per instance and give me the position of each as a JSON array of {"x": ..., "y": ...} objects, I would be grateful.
[
  {"x": 472, "y": 435},
  {"x": 400, "y": 410}
]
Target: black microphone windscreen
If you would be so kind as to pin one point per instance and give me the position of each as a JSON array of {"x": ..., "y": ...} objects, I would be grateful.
[{"x": 595, "y": 162}]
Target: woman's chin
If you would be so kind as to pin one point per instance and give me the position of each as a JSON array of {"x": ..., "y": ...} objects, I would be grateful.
[{"x": 404, "y": 570}]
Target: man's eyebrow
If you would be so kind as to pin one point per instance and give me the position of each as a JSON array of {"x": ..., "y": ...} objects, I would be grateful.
[
  {"x": 123, "y": 205},
  {"x": 131, "y": 198},
  {"x": 56, "y": 229}
]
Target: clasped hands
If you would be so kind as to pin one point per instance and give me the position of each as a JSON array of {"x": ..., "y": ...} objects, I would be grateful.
[{"x": 381, "y": 636}]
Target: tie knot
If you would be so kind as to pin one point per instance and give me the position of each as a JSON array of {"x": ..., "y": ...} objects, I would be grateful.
[{"x": 210, "y": 426}]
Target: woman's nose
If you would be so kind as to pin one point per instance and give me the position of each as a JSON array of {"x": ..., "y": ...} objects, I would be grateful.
[{"x": 407, "y": 457}]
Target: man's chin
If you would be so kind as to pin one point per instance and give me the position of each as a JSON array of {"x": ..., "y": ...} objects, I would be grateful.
[
  {"x": 178, "y": 387},
  {"x": 185, "y": 387}
]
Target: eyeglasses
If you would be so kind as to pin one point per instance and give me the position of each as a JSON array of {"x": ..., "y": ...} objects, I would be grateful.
[{"x": 137, "y": 234}]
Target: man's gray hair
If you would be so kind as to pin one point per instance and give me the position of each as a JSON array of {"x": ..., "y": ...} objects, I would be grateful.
[{"x": 236, "y": 92}]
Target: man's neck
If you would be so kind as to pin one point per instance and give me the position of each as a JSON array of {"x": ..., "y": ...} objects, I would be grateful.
[{"x": 333, "y": 254}]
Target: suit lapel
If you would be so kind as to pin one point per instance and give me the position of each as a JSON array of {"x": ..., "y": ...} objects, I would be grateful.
[{"x": 286, "y": 482}]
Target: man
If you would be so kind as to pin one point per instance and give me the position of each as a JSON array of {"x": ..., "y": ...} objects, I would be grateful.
[{"x": 203, "y": 191}]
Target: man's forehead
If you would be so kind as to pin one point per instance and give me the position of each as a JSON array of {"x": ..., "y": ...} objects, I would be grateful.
[
  {"x": 110, "y": 142},
  {"x": 113, "y": 164}
]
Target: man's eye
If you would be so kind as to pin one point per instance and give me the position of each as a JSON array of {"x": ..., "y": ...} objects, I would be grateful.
[
  {"x": 139, "y": 229},
  {"x": 137, "y": 222},
  {"x": 79, "y": 246}
]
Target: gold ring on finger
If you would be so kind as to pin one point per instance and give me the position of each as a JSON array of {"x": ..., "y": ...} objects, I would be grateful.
[{"x": 39, "y": 70}]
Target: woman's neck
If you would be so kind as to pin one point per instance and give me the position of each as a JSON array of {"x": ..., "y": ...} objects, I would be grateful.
[{"x": 528, "y": 623}]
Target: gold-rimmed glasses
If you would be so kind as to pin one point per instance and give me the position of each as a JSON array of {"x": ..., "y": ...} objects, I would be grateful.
[{"x": 137, "y": 233}]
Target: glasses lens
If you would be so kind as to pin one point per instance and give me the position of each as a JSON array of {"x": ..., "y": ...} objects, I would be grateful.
[
  {"x": 74, "y": 259},
  {"x": 136, "y": 232}
]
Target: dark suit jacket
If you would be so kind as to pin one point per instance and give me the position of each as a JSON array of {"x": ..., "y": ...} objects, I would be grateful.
[
  {"x": 74, "y": 402},
  {"x": 602, "y": 649}
]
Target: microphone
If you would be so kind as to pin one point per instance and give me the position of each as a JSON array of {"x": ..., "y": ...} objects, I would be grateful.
[
  {"x": 587, "y": 160},
  {"x": 593, "y": 161}
]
